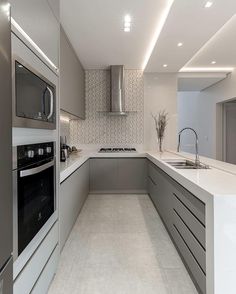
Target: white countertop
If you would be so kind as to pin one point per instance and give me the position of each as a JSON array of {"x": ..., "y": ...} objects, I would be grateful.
[{"x": 201, "y": 182}]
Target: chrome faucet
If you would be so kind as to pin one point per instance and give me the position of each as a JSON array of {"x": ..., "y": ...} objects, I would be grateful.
[{"x": 197, "y": 161}]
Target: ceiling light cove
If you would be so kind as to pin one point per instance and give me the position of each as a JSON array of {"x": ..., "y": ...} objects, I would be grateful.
[
  {"x": 159, "y": 26},
  {"x": 207, "y": 69},
  {"x": 208, "y": 4},
  {"x": 127, "y": 23}
]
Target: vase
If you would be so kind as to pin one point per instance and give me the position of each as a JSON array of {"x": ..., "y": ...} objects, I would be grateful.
[{"x": 160, "y": 144}]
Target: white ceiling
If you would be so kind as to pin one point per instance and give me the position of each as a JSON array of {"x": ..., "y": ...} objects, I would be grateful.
[
  {"x": 220, "y": 48},
  {"x": 95, "y": 29},
  {"x": 192, "y": 24}
]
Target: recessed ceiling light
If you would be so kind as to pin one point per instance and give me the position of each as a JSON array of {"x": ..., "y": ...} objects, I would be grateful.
[
  {"x": 127, "y": 24},
  {"x": 126, "y": 29},
  {"x": 208, "y": 4},
  {"x": 165, "y": 65},
  {"x": 127, "y": 18},
  {"x": 180, "y": 44},
  {"x": 213, "y": 62}
]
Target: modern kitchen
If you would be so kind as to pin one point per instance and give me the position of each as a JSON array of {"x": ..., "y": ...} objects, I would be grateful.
[{"x": 118, "y": 161}]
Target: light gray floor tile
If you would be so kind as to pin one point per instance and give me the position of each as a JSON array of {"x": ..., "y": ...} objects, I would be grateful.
[
  {"x": 119, "y": 245},
  {"x": 179, "y": 282}
]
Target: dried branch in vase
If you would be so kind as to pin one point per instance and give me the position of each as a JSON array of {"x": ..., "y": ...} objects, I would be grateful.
[{"x": 161, "y": 120}]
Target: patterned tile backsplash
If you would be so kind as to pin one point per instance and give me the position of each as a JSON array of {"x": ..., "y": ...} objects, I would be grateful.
[{"x": 100, "y": 128}]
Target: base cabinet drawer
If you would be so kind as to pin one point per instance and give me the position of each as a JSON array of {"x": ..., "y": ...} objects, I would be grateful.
[
  {"x": 73, "y": 193},
  {"x": 43, "y": 283},
  {"x": 152, "y": 190},
  {"x": 197, "y": 273},
  {"x": 190, "y": 220},
  {"x": 191, "y": 241},
  {"x": 33, "y": 269}
]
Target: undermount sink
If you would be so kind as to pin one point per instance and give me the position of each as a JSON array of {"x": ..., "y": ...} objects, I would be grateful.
[{"x": 185, "y": 164}]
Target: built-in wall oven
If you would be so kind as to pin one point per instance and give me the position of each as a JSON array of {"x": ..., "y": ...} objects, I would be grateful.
[
  {"x": 34, "y": 98},
  {"x": 34, "y": 191}
]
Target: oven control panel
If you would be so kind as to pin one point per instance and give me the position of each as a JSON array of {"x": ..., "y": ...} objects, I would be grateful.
[{"x": 32, "y": 153}]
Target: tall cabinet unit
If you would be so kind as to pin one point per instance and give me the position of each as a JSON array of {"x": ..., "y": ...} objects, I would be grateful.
[
  {"x": 6, "y": 153},
  {"x": 35, "y": 40},
  {"x": 72, "y": 80}
]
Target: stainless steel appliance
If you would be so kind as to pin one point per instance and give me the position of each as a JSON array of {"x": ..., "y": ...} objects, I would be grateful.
[
  {"x": 34, "y": 98},
  {"x": 6, "y": 280},
  {"x": 34, "y": 191},
  {"x": 109, "y": 150}
]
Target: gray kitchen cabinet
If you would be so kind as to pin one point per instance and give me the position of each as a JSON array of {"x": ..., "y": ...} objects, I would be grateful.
[
  {"x": 73, "y": 193},
  {"x": 103, "y": 175},
  {"x": 162, "y": 194},
  {"x": 118, "y": 175},
  {"x": 38, "y": 20},
  {"x": 72, "y": 80},
  {"x": 184, "y": 217},
  {"x": 132, "y": 174}
]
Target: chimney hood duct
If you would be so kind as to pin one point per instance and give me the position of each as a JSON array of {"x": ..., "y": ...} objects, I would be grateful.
[{"x": 117, "y": 103}]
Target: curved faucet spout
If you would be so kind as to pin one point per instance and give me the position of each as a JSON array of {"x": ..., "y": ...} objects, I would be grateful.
[{"x": 197, "y": 161}]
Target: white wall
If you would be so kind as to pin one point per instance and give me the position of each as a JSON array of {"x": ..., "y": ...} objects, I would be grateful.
[
  {"x": 160, "y": 93},
  {"x": 203, "y": 107},
  {"x": 196, "y": 112}
]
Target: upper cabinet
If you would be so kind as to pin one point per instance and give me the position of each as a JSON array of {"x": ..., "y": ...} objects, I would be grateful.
[
  {"x": 72, "y": 80},
  {"x": 39, "y": 20}
]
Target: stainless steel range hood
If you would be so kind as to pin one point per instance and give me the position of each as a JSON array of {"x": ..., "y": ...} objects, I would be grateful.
[{"x": 117, "y": 103}]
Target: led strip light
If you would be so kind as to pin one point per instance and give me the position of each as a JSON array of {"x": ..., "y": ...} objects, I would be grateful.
[
  {"x": 36, "y": 47},
  {"x": 159, "y": 27}
]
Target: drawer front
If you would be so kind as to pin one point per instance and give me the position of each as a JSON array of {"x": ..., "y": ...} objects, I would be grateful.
[
  {"x": 196, "y": 206},
  {"x": 154, "y": 174},
  {"x": 190, "y": 261},
  {"x": 152, "y": 190},
  {"x": 194, "y": 225},
  {"x": 192, "y": 243},
  {"x": 43, "y": 283},
  {"x": 29, "y": 275}
]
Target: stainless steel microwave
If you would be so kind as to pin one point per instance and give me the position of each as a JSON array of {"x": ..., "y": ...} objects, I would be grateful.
[{"x": 34, "y": 98}]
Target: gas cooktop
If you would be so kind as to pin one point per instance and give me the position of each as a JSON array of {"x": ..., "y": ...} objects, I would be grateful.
[{"x": 107, "y": 150}]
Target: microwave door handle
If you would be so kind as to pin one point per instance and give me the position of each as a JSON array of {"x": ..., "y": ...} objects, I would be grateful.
[
  {"x": 35, "y": 170},
  {"x": 51, "y": 103},
  {"x": 44, "y": 102}
]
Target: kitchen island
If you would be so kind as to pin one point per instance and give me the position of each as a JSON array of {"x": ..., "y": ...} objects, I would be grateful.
[{"x": 215, "y": 189}]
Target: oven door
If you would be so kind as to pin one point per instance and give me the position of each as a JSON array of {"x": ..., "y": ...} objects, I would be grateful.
[
  {"x": 33, "y": 98},
  {"x": 35, "y": 201}
]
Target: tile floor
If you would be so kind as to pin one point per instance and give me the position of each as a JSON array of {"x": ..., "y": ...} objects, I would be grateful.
[{"x": 120, "y": 246}]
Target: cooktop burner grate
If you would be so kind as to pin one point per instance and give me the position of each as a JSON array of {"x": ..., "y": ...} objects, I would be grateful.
[{"x": 117, "y": 150}]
